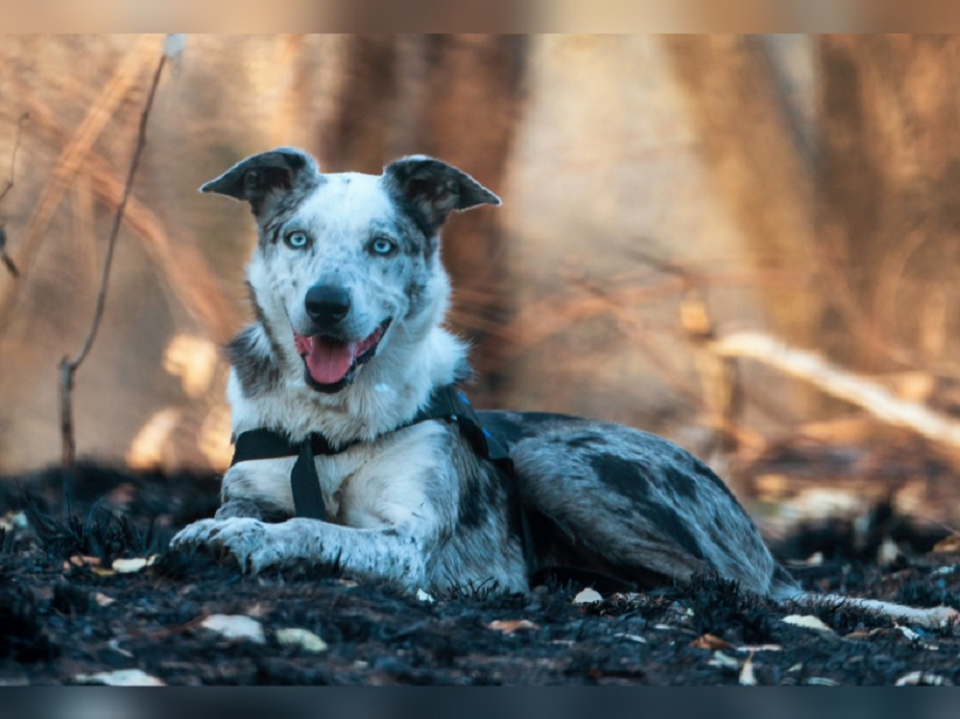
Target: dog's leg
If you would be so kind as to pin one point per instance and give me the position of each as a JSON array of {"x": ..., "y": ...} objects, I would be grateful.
[
  {"x": 633, "y": 502},
  {"x": 238, "y": 508},
  {"x": 368, "y": 553},
  {"x": 257, "y": 489}
]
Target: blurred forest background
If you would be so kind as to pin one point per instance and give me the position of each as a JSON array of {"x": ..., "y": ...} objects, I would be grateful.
[{"x": 749, "y": 244}]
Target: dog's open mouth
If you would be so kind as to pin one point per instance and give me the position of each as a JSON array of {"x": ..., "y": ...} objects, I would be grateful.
[{"x": 331, "y": 362}]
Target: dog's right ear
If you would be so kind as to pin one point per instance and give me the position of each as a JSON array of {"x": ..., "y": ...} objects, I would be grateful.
[{"x": 254, "y": 178}]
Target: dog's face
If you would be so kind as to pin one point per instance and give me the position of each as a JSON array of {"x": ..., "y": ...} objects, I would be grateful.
[{"x": 345, "y": 261}]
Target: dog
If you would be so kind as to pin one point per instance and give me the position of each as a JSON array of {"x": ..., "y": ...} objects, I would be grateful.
[{"x": 349, "y": 345}]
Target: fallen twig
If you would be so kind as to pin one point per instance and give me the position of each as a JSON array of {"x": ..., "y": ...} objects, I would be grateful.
[{"x": 841, "y": 383}]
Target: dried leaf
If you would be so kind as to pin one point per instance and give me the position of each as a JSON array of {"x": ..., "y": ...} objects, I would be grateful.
[
  {"x": 302, "y": 638},
  {"x": 922, "y": 679},
  {"x": 129, "y": 566},
  {"x": 509, "y": 626},
  {"x": 235, "y": 626},
  {"x": 814, "y": 560},
  {"x": 915, "y": 637},
  {"x": 747, "y": 677},
  {"x": 821, "y": 682},
  {"x": 101, "y": 572},
  {"x": 807, "y": 621},
  {"x": 949, "y": 544},
  {"x": 724, "y": 661},
  {"x": 888, "y": 553},
  {"x": 103, "y": 600},
  {"x": 908, "y": 633},
  {"x": 14, "y": 520},
  {"x": 631, "y": 637},
  {"x": 81, "y": 560},
  {"x": 121, "y": 678},
  {"x": 709, "y": 641},
  {"x": 760, "y": 648},
  {"x": 588, "y": 596},
  {"x": 114, "y": 644}
]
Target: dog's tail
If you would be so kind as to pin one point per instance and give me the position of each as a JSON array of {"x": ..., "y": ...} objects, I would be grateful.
[{"x": 785, "y": 590}]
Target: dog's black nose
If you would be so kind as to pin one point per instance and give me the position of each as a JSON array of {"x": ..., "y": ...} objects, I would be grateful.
[{"x": 327, "y": 304}]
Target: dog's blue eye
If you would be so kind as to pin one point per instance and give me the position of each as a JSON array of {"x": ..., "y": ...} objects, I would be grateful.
[
  {"x": 297, "y": 240},
  {"x": 383, "y": 246}
]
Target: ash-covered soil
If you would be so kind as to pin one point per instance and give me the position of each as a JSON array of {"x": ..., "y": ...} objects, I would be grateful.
[{"x": 68, "y": 615}]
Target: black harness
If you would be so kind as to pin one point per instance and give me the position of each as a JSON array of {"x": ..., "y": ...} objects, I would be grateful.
[{"x": 446, "y": 404}]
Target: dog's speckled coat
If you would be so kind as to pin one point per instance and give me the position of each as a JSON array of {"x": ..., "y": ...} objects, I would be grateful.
[{"x": 416, "y": 506}]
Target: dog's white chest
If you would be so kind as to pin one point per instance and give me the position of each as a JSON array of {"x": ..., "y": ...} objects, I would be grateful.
[
  {"x": 370, "y": 486},
  {"x": 384, "y": 483}
]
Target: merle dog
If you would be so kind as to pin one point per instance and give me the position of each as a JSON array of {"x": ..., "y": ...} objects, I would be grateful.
[{"x": 349, "y": 347}]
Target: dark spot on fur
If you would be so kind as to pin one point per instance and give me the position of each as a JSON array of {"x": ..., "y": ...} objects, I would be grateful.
[
  {"x": 512, "y": 427},
  {"x": 417, "y": 239},
  {"x": 258, "y": 373},
  {"x": 632, "y": 481},
  {"x": 586, "y": 441},
  {"x": 681, "y": 482},
  {"x": 413, "y": 212},
  {"x": 620, "y": 472},
  {"x": 282, "y": 207},
  {"x": 481, "y": 492},
  {"x": 415, "y": 294},
  {"x": 275, "y": 346}
]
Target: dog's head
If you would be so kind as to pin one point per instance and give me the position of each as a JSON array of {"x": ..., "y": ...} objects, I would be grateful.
[{"x": 347, "y": 261}]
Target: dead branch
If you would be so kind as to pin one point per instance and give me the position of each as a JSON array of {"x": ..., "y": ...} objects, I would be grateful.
[
  {"x": 7, "y": 260},
  {"x": 843, "y": 384},
  {"x": 71, "y": 160},
  {"x": 13, "y": 158},
  {"x": 762, "y": 169},
  {"x": 69, "y": 367},
  {"x": 184, "y": 267}
]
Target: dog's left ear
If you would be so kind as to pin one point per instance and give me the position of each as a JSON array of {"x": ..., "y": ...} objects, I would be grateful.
[
  {"x": 254, "y": 178},
  {"x": 435, "y": 188}
]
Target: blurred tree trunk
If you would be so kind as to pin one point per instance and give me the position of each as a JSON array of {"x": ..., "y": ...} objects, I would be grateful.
[
  {"x": 762, "y": 168},
  {"x": 458, "y": 98},
  {"x": 889, "y": 204}
]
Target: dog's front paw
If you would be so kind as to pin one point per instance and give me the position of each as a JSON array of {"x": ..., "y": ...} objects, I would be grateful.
[{"x": 242, "y": 539}]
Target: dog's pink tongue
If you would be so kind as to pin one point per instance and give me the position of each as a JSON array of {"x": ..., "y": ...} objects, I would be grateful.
[{"x": 328, "y": 361}]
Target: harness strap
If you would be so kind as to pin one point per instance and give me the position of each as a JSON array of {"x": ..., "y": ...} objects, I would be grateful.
[
  {"x": 307, "y": 497},
  {"x": 446, "y": 403},
  {"x": 304, "y": 481}
]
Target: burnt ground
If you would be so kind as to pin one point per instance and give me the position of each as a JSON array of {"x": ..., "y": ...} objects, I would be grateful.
[{"x": 57, "y": 620}]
